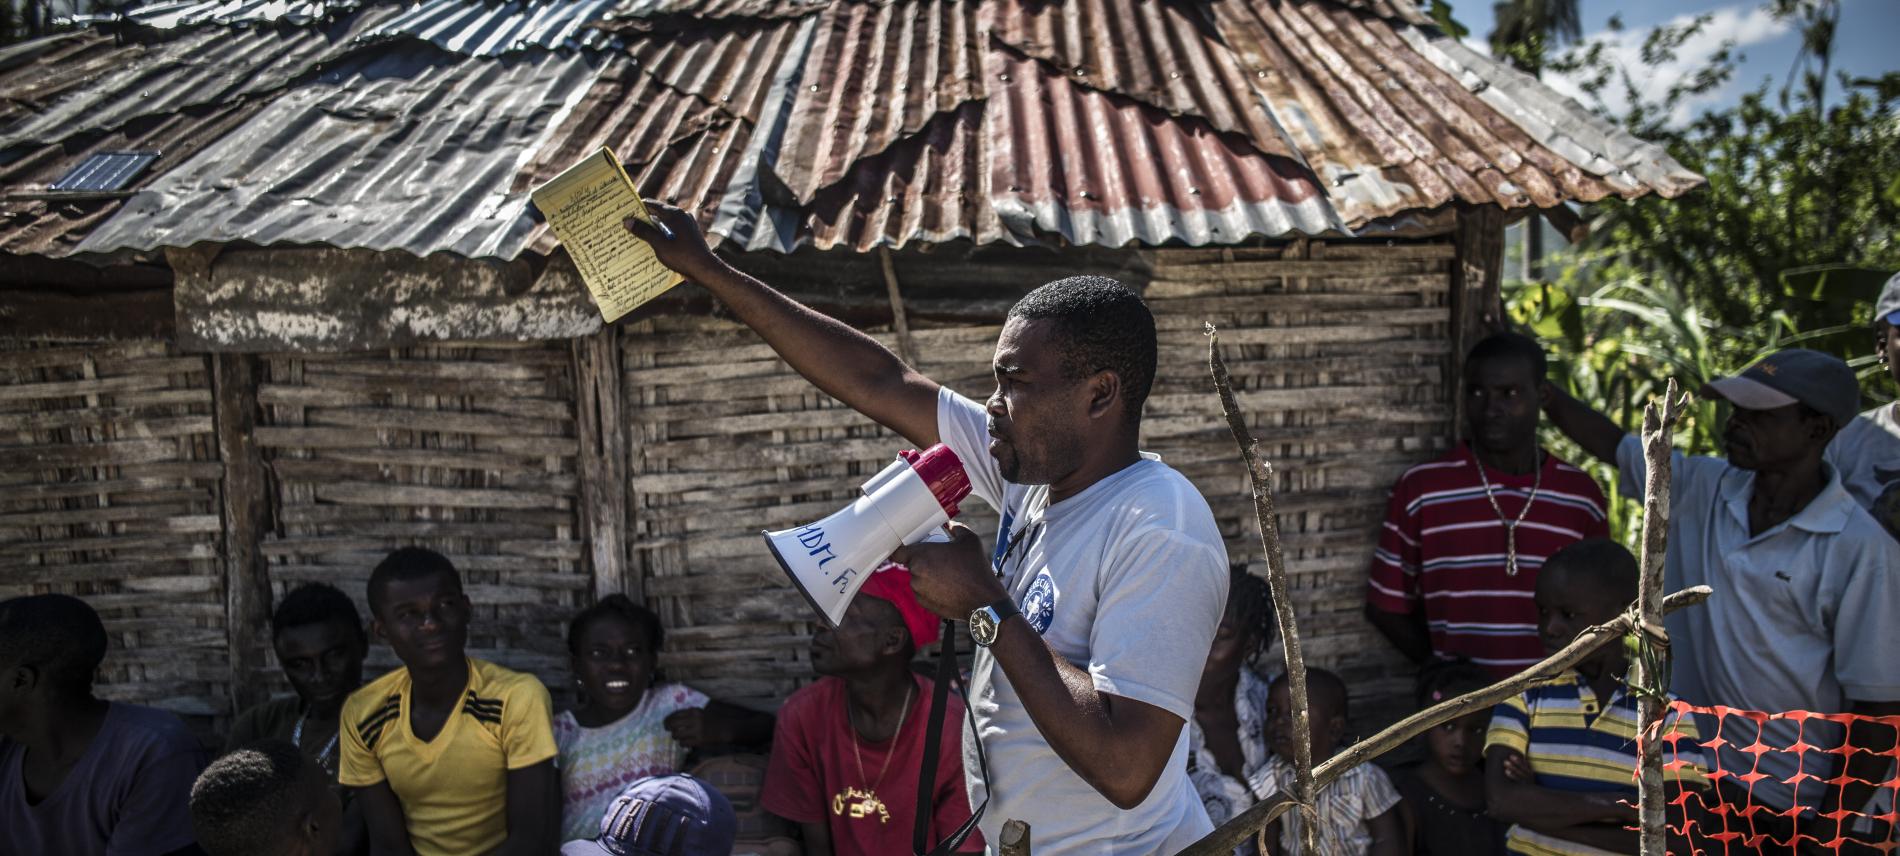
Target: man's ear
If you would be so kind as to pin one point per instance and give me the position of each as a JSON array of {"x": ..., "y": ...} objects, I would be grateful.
[
  {"x": 1105, "y": 388},
  {"x": 1546, "y": 393},
  {"x": 894, "y": 639},
  {"x": 21, "y": 678}
]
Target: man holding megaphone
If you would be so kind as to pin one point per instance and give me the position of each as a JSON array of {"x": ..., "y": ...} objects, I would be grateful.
[{"x": 1095, "y": 611}]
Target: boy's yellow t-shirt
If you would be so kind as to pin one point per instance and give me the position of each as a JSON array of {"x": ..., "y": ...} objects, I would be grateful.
[{"x": 453, "y": 789}]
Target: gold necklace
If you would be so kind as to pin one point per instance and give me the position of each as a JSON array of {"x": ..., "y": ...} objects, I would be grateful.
[
  {"x": 1510, "y": 526},
  {"x": 901, "y": 713},
  {"x": 864, "y": 804}
]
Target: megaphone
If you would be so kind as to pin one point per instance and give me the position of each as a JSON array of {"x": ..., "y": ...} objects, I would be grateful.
[{"x": 903, "y": 504}]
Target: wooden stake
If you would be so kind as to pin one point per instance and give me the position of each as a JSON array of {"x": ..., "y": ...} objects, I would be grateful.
[
  {"x": 900, "y": 318},
  {"x": 1651, "y": 665},
  {"x": 1260, "y": 474}
]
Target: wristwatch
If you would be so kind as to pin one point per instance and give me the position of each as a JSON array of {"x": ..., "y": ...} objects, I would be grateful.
[{"x": 986, "y": 620}]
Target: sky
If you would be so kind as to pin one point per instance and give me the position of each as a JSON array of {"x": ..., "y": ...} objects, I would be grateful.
[{"x": 1864, "y": 45}]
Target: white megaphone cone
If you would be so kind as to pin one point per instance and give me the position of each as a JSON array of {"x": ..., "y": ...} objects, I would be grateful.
[{"x": 829, "y": 560}]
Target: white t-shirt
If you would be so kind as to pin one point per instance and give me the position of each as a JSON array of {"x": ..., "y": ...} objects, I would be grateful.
[
  {"x": 1867, "y": 455},
  {"x": 1126, "y": 580}
]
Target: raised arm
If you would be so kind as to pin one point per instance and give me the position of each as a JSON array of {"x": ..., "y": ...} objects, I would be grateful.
[
  {"x": 848, "y": 365},
  {"x": 1583, "y": 424}
]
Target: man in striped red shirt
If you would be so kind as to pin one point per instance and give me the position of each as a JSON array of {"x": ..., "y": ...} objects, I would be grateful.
[{"x": 1464, "y": 535}]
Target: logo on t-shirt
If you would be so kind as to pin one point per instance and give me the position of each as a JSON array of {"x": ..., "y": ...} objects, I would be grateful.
[{"x": 1039, "y": 603}]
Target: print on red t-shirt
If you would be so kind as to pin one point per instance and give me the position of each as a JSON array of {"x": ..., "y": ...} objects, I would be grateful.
[
  {"x": 1443, "y": 547},
  {"x": 813, "y": 775}
]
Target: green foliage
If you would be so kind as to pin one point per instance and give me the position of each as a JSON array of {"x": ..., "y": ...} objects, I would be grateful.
[
  {"x": 1787, "y": 244},
  {"x": 1525, "y": 31}
]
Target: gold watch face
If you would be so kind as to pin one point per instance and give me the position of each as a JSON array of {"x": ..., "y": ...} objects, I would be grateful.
[{"x": 982, "y": 627}]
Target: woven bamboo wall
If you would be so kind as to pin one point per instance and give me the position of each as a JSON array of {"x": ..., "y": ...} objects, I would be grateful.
[
  {"x": 1339, "y": 352},
  {"x": 109, "y": 490},
  {"x": 1340, "y": 355},
  {"x": 470, "y": 450}
]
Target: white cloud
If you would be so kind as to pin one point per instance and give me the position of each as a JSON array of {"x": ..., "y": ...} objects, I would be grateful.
[{"x": 1743, "y": 25}]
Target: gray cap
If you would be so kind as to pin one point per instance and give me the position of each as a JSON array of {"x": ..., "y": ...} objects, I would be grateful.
[
  {"x": 1796, "y": 375},
  {"x": 1888, "y": 306},
  {"x": 671, "y": 815}
]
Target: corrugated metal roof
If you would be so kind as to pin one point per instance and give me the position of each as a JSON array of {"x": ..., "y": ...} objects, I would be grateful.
[
  {"x": 882, "y": 72},
  {"x": 388, "y": 150},
  {"x": 1390, "y": 130},
  {"x": 1105, "y": 169},
  {"x": 192, "y": 13},
  {"x": 492, "y": 29},
  {"x": 54, "y": 226},
  {"x": 864, "y": 125},
  {"x": 101, "y": 84},
  {"x": 1163, "y": 52}
]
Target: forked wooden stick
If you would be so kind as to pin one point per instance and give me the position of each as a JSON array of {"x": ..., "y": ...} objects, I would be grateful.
[{"x": 1260, "y": 474}]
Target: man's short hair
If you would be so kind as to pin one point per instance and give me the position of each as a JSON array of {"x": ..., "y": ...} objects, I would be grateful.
[
  {"x": 405, "y": 564},
  {"x": 1516, "y": 346},
  {"x": 58, "y": 635},
  {"x": 315, "y": 603},
  {"x": 1100, "y": 325},
  {"x": 249, "y": 800},
  {"x": 1604, "y": 562}
]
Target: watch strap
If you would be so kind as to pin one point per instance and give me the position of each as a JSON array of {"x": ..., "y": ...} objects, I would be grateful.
[{"x": 1004, "y": 609}]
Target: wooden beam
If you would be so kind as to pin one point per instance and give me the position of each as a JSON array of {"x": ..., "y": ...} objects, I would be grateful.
[
  {"x": 1477, "y": 282},
  {"x": 603, "y": 463},
  {"x": 245, "y": 508},
  {"x": 51, "y": 315}
]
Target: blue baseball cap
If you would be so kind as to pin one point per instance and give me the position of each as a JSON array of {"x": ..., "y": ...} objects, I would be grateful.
[
  {"x": 673, "y": 815},
  {"x": 1887, "y": 308},
  {"x": 1796, "y": 375}
]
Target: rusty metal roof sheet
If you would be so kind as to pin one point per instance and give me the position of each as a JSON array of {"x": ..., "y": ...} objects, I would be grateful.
[
  {"x": 1105, "y": 169},
  {"x": 193, "y": 13},
  {"x": 387, "y": 150},
  {"x": 881, "y": 72},
  {"x": 1163, "y": 52}
]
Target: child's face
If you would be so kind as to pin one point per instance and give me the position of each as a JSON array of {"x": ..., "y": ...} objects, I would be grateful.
[
  {"x": 615, "y": 663},
  {"x": 1327, "y": 724},
  {"x": 1569, "y": 603},
  {"x": 1457, "y": 745},
  {"x": 425, "y": 621}
]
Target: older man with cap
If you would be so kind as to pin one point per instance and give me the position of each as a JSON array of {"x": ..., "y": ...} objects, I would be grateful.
[
  {"x": 671, "y": 815},
  {"x": 847, "y": 754},
  {"x": 1867, "y": 451},
  {"x": 1807, "y": 585}
]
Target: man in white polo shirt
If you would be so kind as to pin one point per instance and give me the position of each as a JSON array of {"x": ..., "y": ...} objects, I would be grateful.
[
  {"x": 1095, "y": 613},
  {"x": 1806, "y": 612}
]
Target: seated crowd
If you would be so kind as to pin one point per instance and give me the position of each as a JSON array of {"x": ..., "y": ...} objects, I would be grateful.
[{"x": 1490, "y": 558}]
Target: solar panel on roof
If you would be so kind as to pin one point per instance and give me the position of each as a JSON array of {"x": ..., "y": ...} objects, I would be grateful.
[{"x": 105, "y": 171}]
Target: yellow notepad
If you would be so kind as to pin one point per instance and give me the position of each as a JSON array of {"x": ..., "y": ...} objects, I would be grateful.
[{"x": 586, "y": 206}]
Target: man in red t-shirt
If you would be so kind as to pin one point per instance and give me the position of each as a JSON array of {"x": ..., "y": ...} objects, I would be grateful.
[
  {"x": 1464, "y": 536},
  {"x": 847, "y": 750}
]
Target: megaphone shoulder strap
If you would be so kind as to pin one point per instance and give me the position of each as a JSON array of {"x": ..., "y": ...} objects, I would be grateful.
[{"x": 933, "y": 743}]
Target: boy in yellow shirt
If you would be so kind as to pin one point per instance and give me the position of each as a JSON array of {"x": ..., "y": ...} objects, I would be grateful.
[{"x": 448, "y": 755}]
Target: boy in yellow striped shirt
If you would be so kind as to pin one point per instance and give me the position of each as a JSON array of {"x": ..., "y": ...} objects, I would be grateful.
[{"x": 1560, "y": 758}]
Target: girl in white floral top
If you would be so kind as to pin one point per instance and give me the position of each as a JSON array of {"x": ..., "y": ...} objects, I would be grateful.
[{"x": 631, "y": 724}]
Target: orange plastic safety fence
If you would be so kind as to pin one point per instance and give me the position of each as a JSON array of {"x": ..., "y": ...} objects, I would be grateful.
[{"x": 1745, "y": 810}]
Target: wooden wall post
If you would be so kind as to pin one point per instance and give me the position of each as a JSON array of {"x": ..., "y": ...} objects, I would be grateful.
[
  {"x": 1477, "y": 288},
  {"x": 603, "y": 462},
  {"x": 245, "y": 507}
]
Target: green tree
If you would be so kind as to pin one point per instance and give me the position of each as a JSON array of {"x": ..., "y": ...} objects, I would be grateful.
[{"x": 1786, "y": 244}]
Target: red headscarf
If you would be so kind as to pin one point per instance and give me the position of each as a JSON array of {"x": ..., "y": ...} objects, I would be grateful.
[{"x": 892, "y": 583}]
